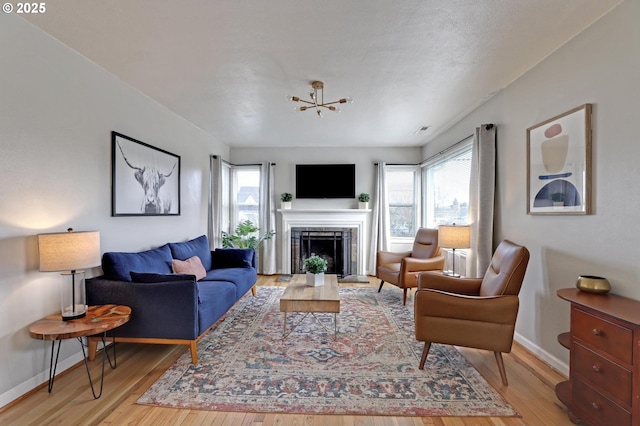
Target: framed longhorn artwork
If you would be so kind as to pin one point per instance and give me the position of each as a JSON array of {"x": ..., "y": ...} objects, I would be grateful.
[
  {"x": 559, "y": 164},
  {"x": 145, "y": 180}
]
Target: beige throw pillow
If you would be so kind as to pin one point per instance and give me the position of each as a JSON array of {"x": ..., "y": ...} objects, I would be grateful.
[{"x": 191, "y": 266}]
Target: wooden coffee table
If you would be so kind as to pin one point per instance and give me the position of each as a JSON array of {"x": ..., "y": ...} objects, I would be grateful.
[{"x": 301, "y": 298}]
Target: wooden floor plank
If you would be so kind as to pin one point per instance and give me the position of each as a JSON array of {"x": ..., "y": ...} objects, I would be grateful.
[{"x": 530, "y": 392}]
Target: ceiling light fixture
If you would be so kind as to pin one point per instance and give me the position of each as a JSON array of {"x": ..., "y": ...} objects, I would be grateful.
[{"x": 317, "y": 100}]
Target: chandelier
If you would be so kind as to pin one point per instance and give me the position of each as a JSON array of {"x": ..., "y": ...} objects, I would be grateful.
[{"x": 317, "y": 100}]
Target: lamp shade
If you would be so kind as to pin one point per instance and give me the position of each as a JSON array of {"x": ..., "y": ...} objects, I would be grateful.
[
  {"x": 69, "y": 251},
  {"x": 455, "y": 237}
]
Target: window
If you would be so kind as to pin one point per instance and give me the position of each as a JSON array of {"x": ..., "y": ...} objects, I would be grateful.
[
  {"x": 245, "y": 195},
  {"x": 402, "y": 190},
  {"x": 445, "y": 183}
]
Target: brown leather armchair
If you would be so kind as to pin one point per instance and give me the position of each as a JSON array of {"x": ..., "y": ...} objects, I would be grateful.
[
  {"x": 402, "y": 268},
  {"x": 473, "y": 312}
]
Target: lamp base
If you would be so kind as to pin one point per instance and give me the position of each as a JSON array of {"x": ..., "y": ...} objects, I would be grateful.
[
  {"x": 73, "y": 300},
  {"x": 71, "y": 314}
]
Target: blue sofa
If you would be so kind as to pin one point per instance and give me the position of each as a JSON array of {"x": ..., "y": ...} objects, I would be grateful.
[{"x": 170, "y": 308}]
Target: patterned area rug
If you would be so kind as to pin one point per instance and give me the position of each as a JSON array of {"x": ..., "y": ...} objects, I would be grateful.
[{"x": 371, "y": 369}]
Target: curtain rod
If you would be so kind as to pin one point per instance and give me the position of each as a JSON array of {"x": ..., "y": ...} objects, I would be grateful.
[
  {"x": 396, "y": 164},
  {"x": 444, "y": 151},
  {"x": 231, "y": 164}
]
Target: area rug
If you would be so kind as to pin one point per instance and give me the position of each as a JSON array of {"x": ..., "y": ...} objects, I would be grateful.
[{"x": 246, "y": 365}]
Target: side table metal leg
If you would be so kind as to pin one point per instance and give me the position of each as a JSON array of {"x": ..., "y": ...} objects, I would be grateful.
[
  {"x": 104, "y": 355},
  {"x": 52, "y": 366}
]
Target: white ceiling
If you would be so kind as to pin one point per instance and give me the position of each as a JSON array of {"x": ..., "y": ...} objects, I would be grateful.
[{"x": 228, "y": 65}]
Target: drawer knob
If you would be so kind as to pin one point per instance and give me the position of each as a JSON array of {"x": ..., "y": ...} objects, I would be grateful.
[
  {"x": 596, "y": 332},
  {"x": 595, "y": 405},
  {"x": 596, "y": 368}
]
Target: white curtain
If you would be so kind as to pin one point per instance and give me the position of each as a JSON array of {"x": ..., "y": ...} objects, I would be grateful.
[
  {"x": 215, "y": 202},
  {"x": 380, "y": 225},
  {"x": 267, "y": 256},
  {"x": 481, "y": 199}
]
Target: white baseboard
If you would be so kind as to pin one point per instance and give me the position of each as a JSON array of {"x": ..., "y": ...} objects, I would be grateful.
[
  {"x": 32, "y": 383},
  {"x": 554, "y": 362}
]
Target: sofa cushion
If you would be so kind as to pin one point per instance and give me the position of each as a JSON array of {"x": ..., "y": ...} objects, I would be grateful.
[
  {"x": 242, "y": 278},
  {"x": 232, "y": 258},
  {"x": 118, "y": 265},
  {"x": 191, "y": 266},
  {"x": 214, "y": 299},
  {"x": 148, "y": 277},
  {"x": 196, "y": 247}
]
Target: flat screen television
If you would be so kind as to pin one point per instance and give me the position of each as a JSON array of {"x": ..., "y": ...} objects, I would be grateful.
[{"x": 325, "y": 181}]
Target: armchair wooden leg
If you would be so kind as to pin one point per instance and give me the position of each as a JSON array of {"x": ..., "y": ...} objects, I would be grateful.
[
  {"x": 404, "y": 297},
  {"x": 253, "y": 290},
  {"x": 381, "y": 284},
  {"x": 425, "y": 352},
  {"x": 503, "y": 372}
]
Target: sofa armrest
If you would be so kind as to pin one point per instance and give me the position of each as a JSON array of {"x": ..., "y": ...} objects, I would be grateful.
[{"x": 165, "y": 310}]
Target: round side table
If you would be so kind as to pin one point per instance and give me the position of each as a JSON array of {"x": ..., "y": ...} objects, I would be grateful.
[{"x": 99, "y": 320}]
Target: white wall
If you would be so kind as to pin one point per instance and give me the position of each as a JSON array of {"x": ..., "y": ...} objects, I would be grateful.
[
  {"x": 57, "y": 111},
  {"x": 600, "y": 66},
  {"x": 287, "y": 158}
]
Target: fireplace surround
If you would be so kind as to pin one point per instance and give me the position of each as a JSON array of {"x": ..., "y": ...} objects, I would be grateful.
[{"x": 327, "y": 220}]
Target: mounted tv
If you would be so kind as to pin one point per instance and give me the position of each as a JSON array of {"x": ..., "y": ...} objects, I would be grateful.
[{"x": 325, "y": 181}]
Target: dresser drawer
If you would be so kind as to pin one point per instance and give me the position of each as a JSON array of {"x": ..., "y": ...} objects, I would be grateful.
[
  {"x": 601, "y": 372},
  {"x": 607, "y": 336},
  {"x": 597, "y": 407}
]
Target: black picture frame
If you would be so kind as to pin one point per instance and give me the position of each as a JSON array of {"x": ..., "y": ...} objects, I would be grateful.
[{"x": 145, "y": 180}]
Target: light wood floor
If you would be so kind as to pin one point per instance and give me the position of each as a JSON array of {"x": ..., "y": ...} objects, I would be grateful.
[{"x": 530, "y": 392}]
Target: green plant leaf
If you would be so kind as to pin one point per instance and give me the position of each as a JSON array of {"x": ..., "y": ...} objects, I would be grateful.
[
  {"x": 315, "y": 264},
  {"x": 246, "y": 236}
]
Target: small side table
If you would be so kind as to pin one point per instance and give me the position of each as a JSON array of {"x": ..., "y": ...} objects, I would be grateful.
[{"x": 99, "y": 320}]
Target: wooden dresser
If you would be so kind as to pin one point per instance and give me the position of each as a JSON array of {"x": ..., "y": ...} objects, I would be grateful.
[{"x": 603, "y": 386}]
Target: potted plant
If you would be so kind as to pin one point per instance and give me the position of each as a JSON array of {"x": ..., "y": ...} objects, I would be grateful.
[
  {"x": 246, "y": 236},
  {"x": 315, "y": 267},
  {"x": 363, "y": 199},
  {"x": 286, "y": 198},
  {"x": 557, "y": 198}
]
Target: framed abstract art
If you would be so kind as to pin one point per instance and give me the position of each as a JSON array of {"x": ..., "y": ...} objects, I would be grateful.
[{"x": 559, "y": 164}]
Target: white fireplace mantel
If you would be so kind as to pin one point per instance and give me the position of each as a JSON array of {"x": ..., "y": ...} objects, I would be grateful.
[{"x": 324, "y": 218}]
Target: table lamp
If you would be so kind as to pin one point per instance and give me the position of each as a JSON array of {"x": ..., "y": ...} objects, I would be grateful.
[
  {"x": 70, "y": 252},
  {"x": 454, "y": 237}
]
